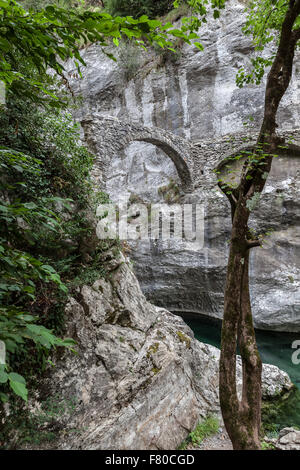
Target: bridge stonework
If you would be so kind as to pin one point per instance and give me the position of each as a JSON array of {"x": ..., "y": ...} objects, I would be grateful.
[{"x": 108, "y": 136}]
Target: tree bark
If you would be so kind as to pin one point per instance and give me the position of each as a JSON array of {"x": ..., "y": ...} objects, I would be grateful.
[{"x": 242, "y": 416}]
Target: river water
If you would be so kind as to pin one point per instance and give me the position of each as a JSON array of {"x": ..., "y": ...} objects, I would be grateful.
[{"x": 274, "y": 347}]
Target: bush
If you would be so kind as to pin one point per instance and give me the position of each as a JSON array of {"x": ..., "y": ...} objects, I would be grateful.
[
  {"x": 129, "y": 59},
  {"x": 137, "y": 8},
  {"x": 45, "y": 206},
  {"x": 204, "y": 429}
]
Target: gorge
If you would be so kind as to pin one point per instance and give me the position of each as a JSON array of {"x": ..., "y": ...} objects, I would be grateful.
[
  {"x": 196, "y": 98},
  {"x": 124, "y": 354}
]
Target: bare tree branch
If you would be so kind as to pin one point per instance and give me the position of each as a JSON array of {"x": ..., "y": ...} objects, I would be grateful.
[{"x": 253, "y": 243}]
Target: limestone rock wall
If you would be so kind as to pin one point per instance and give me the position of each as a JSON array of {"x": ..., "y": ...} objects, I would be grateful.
[
  {"x": 140, "y": 380},
  {"x": 196, "y": 98}
]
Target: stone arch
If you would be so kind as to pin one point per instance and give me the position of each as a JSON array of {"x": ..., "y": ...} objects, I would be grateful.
[
  {"x": 108, "y": 136},
  {"x": 288, "y": 150}
]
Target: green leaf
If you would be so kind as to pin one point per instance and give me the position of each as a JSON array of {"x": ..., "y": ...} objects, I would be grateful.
[
  {"x": 48, "y": 268},
  {"x": 3, "y": 397},
  {"x": 199, "y": 46},
  {"x": 19, "y": 389},
  {"x": 30, "y": 205},
  {"x": 3, "y": 376},
  {"x": 13, "y": 376}
]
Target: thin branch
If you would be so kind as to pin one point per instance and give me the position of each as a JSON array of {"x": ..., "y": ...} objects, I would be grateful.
[
  {"x": 228, "y": 191},
  {"x": 253, "y": 243}
]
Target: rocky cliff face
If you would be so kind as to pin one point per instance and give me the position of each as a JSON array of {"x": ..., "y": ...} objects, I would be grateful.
[
  {"x": 140, "y": 379},
  {"x": 196, "y": 98}
]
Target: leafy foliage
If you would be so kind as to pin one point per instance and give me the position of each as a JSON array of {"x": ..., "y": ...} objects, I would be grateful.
[
  {"x": 42, "y": 425},
  {"x": 137, "y": 8},
  {"x": 263, "y": 23},
  {"x": 19, "y": 270},
  {"x": 47, "y": 38},
  {"x": 44, "y": 180},
  {"x": 267, "y": 446},
  {"x": 205, "y": 428}
]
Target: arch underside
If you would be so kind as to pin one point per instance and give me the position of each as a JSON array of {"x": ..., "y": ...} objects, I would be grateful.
[
  {"x": 108, "y": 136},
  {"x": 175, "y": 154}
]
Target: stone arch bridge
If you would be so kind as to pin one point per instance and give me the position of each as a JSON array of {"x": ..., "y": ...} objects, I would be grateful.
[{"x": 108, "y": 136}]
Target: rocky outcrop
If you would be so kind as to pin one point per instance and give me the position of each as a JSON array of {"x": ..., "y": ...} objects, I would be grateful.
[
  {"x": 195, "y": 97},
  {"x": 185, "y": 280},
  {"x": 288, "y": 439},
  {"x": 140, "y": 380}
]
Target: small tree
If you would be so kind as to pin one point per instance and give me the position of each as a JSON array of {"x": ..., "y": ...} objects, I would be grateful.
[
  {"x": 268, "y": 21},
  {"x": 243, "y": 418}
]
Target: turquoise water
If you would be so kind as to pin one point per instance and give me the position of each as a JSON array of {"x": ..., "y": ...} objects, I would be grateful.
[{"x": 274, "y": 347}]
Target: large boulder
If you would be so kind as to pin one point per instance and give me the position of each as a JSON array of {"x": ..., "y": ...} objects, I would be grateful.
[
  {"x": 140, "y": 380},
  {"x": 288, "y": 439}
]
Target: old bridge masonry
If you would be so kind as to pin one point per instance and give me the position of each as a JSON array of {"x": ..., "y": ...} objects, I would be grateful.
[{"x": 183, "y": 280}]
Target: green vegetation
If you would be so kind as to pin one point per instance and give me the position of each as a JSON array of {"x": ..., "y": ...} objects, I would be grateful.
[
  {"x": 137, "y": 8},
  {"x": 170, "y": 192},
  {"x": 167, "y": 56},
  {"x": 34, "y": 41},
  {"x": 46, "y": 197},
  {"x": 42, "y": 425},
  {"x": 263, "y": 22},
  {"x": 206, "y": 428},
  {"x": 47, "y": 233},
  {"x": 275, "y": 412},
  {"x": 184, "y": 339},
  {"x": 130, "y": 59},
  {"x": 152, "y": 349},
  {"x": 267, "y": 446},
  {"x": 184, "y": 9}
]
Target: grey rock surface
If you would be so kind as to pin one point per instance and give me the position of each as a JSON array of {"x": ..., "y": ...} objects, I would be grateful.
[
  {"x": 288, "y": 439},
  {"x": 178, "y": 276},
  {"x": 140, "y": 379},
  {"x": 196, "y": 99}
]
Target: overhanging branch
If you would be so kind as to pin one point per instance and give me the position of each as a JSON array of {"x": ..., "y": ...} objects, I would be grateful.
[{"x": 253, "y": 243}]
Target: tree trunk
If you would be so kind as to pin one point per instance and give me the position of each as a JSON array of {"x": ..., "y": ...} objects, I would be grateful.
[{"x": 242, "y": 416}]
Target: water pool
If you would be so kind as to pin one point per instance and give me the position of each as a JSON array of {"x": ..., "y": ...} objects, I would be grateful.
[{"x": 274, "y": 347}]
